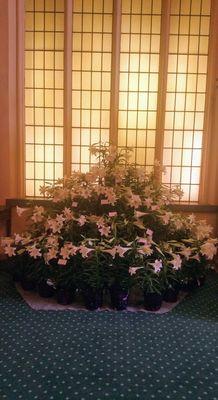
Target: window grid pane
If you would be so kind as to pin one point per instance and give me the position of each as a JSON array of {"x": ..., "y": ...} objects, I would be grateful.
[
  {"x": 44, "y": 76},
  {"x": 91, "y": 78},
  {"x": 139, "y": 68},
  {"x": 185, "y": 100}
]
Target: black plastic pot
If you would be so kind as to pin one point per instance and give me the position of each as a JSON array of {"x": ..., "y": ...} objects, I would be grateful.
[
  {"x": 152, "y": 301},
  {"x": 119, "y": 297},
  {"x": 45, "y": 290},
  {"x": 170, "y": 295},
  {"x": 65, "y": 296},
  {"x": 17, "y": 276},
  {"x": 93, "y": 298},
  {"x": 189, "y": 285},
  {"x": 201, "y": 280},
  {"x": 27, "y": 284}
]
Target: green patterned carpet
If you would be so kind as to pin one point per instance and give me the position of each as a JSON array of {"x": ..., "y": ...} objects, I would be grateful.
[{"x": 52, "y": 355}]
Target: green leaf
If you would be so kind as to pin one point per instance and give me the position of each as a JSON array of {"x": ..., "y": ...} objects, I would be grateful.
[
  {"x": 159, "y": 250},
  {"x": 21, "y": 251},
  {"x": 139, "y": 225}
]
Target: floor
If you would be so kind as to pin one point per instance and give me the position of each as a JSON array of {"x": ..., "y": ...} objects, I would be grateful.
[{"x": 81, "y": 355}]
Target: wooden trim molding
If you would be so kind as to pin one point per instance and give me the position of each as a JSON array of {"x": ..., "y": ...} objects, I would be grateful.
[
  {"x": 5, "y": 219},
  {"x": 192, "y": 208},
  {"x": 20, "y": 96},
  {"x": 208, "y": 183},
  {"x": 9, "y": 165}
]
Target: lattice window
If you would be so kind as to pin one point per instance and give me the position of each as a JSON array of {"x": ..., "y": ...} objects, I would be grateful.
[{"x": 92, "y": 65}]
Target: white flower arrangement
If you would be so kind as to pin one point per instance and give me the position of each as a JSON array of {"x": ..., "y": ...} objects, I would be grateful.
[{"x": 120, "y": 210}]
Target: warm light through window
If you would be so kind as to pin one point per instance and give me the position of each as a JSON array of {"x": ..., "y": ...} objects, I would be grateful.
[
  {"x": 186, "y": 87},
  {"x": 91, "y": 78},
  {"x": 139, "y": 66},
  {"x": 137, "y": 73},
  {"x": 44, "y": 83}
]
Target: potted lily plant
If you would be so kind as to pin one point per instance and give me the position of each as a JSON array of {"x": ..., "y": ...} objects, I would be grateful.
[
  {"x": 20, "y": 264},
  {"x": 25, "y": 272},
  {"x": 118, "y": 259},
  {"x": 193, "y": 273},
  {"x": 170, "y": 282},
  {"x": 91, "y": 276},
  {"x": 43, "y": 276},
  {"x": 119, "y": 283},
  {"x": 148, "y": 279},
  {"x": 66, "y": 281}
]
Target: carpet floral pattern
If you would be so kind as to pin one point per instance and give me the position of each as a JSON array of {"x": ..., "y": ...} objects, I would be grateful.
[{"x": 51, "y": 355}]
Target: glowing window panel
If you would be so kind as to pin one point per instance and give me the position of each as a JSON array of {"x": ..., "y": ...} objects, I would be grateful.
[
  {"x": 44, "y": 76},
  {"x": 185, "y": 99},
  {"x": 91, "y": 78},
  {"x": 138, "y": 88}
]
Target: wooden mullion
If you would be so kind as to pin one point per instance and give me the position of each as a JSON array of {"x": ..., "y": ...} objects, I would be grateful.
[
  {"x": 67, "y": 87},
  {"x": 115, "y": 68},
  {"x": 162, "y": 83}
]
